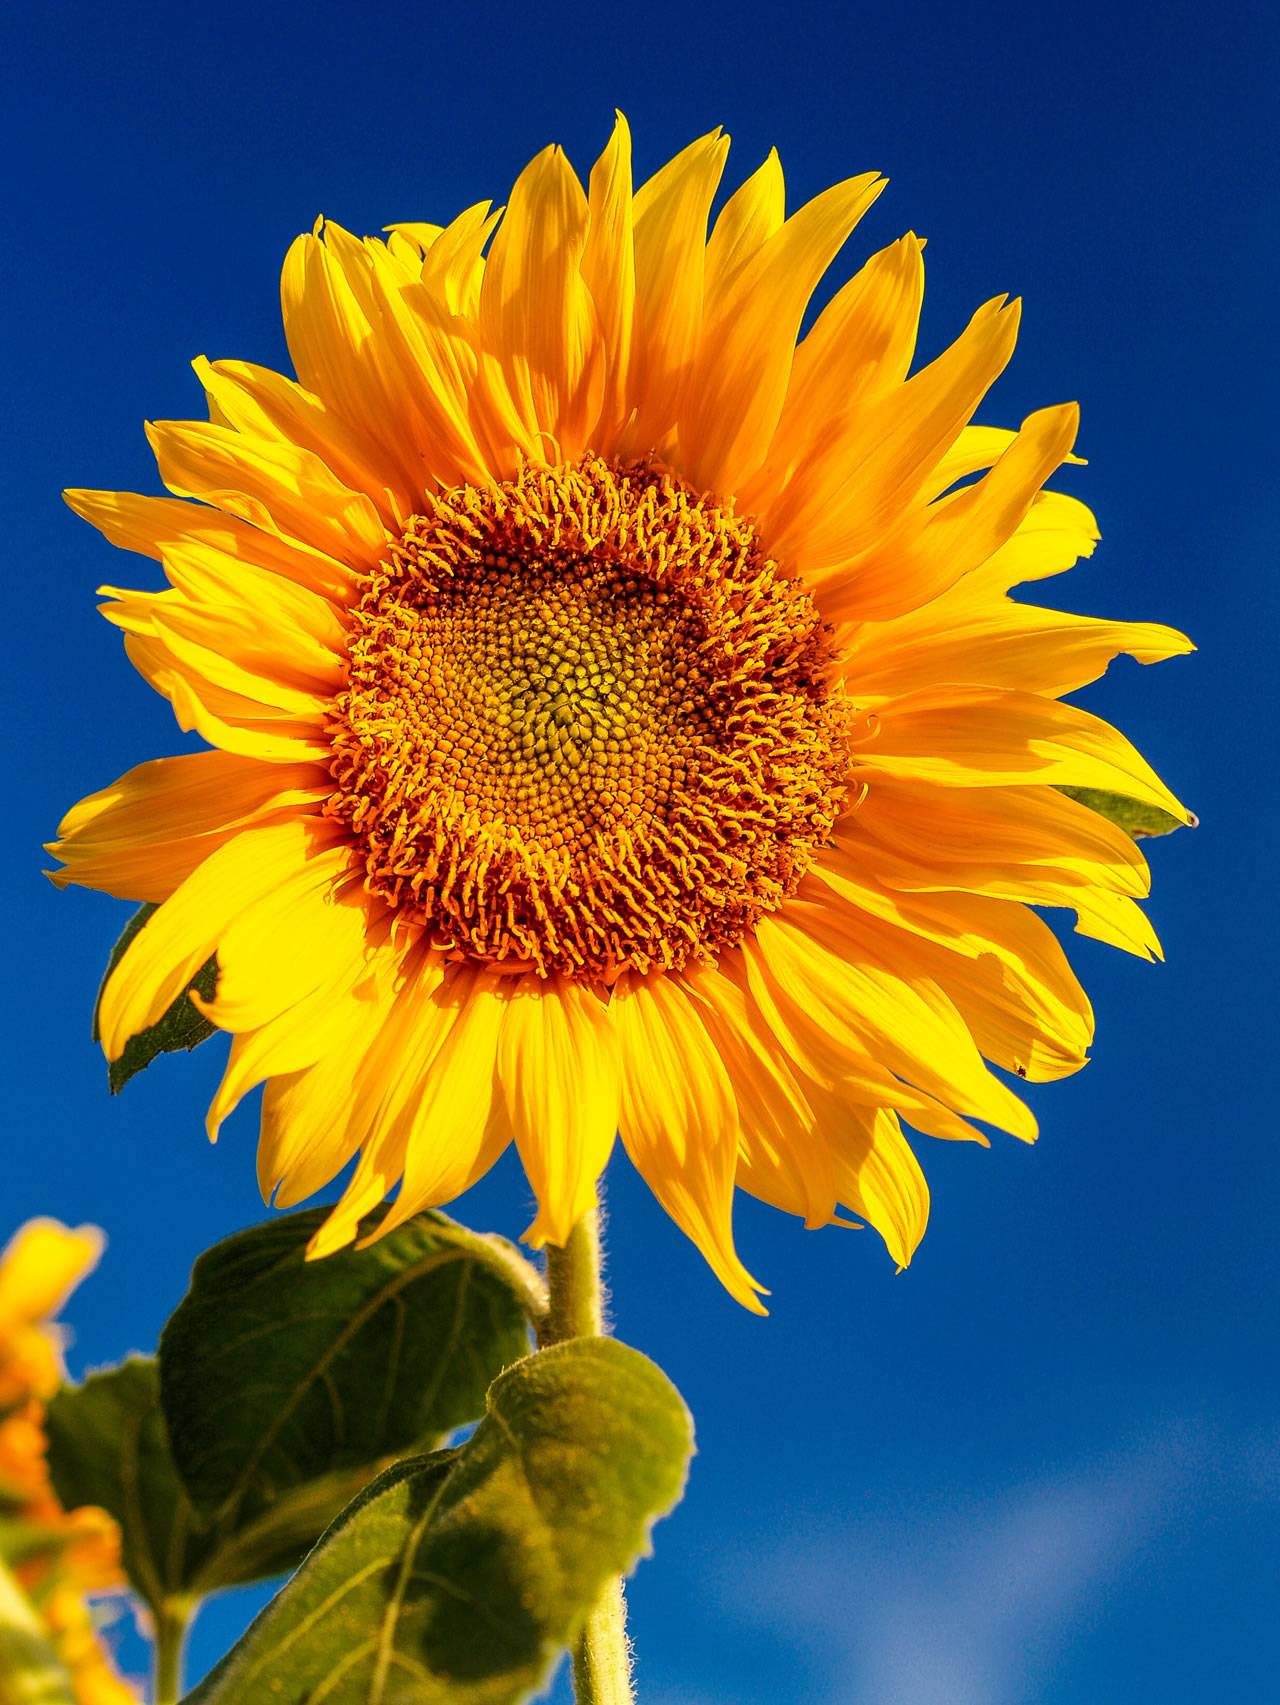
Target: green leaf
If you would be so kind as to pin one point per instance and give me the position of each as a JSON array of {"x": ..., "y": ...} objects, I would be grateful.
[
  {"x": 455, "y": 1579},
  {"x": 277, "y": 1372},
  {"x": 182, "y": 1026},
  {"x": 1134, "y": 816},
  {"x": 108, "y": 1445}
]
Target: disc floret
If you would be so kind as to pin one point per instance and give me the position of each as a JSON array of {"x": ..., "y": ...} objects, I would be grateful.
[{"x": 588, "y": 724}]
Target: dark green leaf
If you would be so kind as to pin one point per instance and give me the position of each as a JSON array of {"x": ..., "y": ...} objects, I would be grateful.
[
  {"x": 455, "y": 1579},
  {"x": 108, "y": 1445},
  {"x": 277, "y": 1371},
  {"x": 1134, "y": 816},
  {"x": 182, "y": 1026}
]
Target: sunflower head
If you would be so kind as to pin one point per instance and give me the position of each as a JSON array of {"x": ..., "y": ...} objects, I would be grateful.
[{"x": 618, "y": 717}]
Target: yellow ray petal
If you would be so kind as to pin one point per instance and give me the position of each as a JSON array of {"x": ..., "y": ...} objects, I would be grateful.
[
  {"x": 852, "y": 487},
  {"x": 310, "y": 1123},
  {"x": 740, "y": 373},
  {"x": 1117, "y": 920},
  {"x": 994, "y": 840},
  {"x": 332, "y": 327},
  {"x": 224, "y": 718},
  {"x": 444, "y": 1133},
  {"x": 680, "y": 1119},
  {"x": 151, "y": 524},
  {"x": 975, "y": 636},
  {"x": 291, "y": 941},
  {"x": 259, "y": 403},
  {"x": 896, "y": 1015},
  {"x": 670, "y": 215},
  {"x": 277, "y": 487},
  {"x": 536, "y": 313},
  {"x": 431, "y": 354},
  {"x": 143, "y": 835},
  {"x": 860, "y": 346},
  {"x": 782, "y": 1157},
  {"x": 999, "y": 965},
  {"x": 453, "y": 266},
  {"x": 167, "y": 952},
  {"x": 559, "y": 1070},
  {"x": 744, "y": 224},
  {"x": 609, "y": 273},
  {"x": 974, "y": 737},
  {"x": 41, "y": 1265},
  {"x": 197, "y": 793},
  {"x": 932, "y": 548},
  {"x": 211, "y": 647},
  {"x": 876, "y": 1172},
  {"x": 338, "y": 1015}
]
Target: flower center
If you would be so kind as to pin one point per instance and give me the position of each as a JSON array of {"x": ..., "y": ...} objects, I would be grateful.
[{"x": 588, "y": 724}]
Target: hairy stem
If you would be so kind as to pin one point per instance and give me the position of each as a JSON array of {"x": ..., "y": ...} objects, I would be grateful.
[
  {"x": 602, "y": 1657},
  {"x": 171, "y": 1635}
]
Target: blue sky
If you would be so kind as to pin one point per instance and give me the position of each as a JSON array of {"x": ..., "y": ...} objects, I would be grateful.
[{"x": 1044, "y": 1464}]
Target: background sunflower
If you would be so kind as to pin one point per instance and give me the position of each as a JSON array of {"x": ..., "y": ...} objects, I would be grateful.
[{"x": 1070, "y": 1349}]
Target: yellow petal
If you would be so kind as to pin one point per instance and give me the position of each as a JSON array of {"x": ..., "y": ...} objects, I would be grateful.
[
  {"x": 860, "y": 346},
  {"x": 896, "y": 1014},
  {"x": 609, "y": 273},
  {"x": 311, "y": 1123},
  {"x": 978, "y": 637},
  {"x": 854, "y": 485},
  {"x": 876, "y": 1172},
  {"x": 558, "y": 1064},
  {"x": 536, "y": 313},
  {"x": 744, "y": 224},
  {"x": 336, "y": 1016},
  {"x": 975, "y": 737},
  {"x": 167, "y": 952},
  {"x": 782, "y": 1156},
  {"x": 443, "y": 1131},
  {"x": 291, "y": 941},
  {"x": 1010, "y": 841},
  {"x": 932, "y": 548},
  {"x": 680, "y": 1119},
  {"x": 670, "y": 246},
  {"x": 278, "y": 487},
  {"x": 740, "y": 374},
  {"x": 259, "y": 403},
  {"x": 42, "y": 1264},
  {"x": 225, "y": 718},
  {"x": 453, "y": 266},
  {"x": 150, "y": 524},
  {"x": 148, "y": 831},
  {"x": 999, "y": 964}
]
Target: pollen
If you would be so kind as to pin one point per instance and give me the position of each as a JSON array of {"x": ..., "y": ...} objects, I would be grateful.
[{"x": 589, "y": 725}]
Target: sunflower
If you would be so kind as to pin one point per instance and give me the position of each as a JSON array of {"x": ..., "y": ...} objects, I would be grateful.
[
  {"x": 80, "y": 1552},
  {"x": 619, "y": 720}
]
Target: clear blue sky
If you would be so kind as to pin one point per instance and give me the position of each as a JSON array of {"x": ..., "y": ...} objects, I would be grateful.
[{"x": 1043, "y": 1465}]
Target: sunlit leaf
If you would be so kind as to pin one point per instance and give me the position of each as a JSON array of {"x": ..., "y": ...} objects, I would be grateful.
[
  {"x": 1134, "y": 816},
  {"x": 456, "y": 1578}
]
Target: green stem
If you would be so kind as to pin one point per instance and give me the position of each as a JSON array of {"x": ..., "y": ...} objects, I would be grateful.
[
  {"x": 172, "y": 1620},
  {"x": 602, "y": 1657}
]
